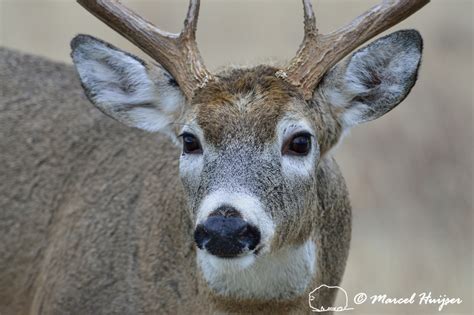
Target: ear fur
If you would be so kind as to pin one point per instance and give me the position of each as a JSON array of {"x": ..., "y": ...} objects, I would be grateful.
[
  {"x": 374, "y": 79},
  {"x": 126, "y": 88}
]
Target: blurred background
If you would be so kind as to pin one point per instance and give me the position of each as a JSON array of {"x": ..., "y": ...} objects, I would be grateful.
[{"x": 410, "y": 173}]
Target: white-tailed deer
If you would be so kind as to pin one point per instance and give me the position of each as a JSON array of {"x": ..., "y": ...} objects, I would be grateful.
[{"x": 97, "y": 218}]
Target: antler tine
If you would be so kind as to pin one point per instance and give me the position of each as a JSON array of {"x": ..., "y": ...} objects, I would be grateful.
[
  {"x": 308, "y": 45},
  {"x": 190, "y": 23},
  {"x": 318, "y": 52},
  {"x": 177, "y": 53},
  {"x": 310, "y": 28}
]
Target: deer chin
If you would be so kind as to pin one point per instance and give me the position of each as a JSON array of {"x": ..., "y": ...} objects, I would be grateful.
[{"x": 283, "y": 274}]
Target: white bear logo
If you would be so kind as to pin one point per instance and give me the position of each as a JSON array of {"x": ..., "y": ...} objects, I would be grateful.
[{"x": 324, "y": 290}]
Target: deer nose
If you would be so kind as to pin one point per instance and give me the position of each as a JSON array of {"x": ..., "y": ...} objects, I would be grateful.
[{"x": 225, "y": 235}]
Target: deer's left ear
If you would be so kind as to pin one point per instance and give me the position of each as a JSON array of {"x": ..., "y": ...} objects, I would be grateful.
[{"x": 374, "y": 79}]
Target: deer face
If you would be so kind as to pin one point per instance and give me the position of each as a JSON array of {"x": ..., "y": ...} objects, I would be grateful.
[
  {"x": 251, "y": 141},
  {"x": 250, "y": 151}
]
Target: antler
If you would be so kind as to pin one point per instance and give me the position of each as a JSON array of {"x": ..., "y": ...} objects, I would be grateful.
[
  {"x": 318, "y": 52},
  {"x": 177, "y": 53}
]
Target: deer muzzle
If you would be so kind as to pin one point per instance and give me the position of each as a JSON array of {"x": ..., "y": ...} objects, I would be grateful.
[{"x": 226, "y": 235}]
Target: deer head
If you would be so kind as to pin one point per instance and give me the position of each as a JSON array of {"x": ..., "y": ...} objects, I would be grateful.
[{"x": 252, "y": 139}]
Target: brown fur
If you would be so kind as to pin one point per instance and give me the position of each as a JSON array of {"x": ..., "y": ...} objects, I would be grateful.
[{"x": 268, "y": 99}]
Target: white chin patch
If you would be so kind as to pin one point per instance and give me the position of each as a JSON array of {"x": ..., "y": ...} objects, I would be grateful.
[
  {"x": 224, "y": 265},
  {"x": 280, "y": 275}
]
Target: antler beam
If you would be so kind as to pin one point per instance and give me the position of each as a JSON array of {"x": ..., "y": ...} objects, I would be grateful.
[
  {"x": 318, "y": 52},
  {"x": 177, "y": 53}
]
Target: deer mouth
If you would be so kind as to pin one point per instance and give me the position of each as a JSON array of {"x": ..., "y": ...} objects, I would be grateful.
[{"x": 227, "y": 264}]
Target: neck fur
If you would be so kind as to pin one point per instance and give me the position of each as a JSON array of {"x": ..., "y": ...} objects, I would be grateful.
[{"x": 281, "y": 275}]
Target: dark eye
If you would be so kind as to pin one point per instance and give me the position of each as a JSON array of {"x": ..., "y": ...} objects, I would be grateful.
[
  {"x": 191, "y": 144},
  {"x": 299, "y": 144}
]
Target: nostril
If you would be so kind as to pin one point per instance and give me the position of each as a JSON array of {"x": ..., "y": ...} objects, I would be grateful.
[
  {"x": 201, "y": 236},
  {"x": 243, "y": 231},
  {"x": 249, "y": 236}
]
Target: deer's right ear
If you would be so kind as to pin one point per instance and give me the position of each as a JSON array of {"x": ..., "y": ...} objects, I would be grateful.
[{"x": 125, "y": 87}]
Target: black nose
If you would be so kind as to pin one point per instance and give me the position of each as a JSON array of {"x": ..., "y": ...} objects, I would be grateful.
[{"x": 226, "y": 235}]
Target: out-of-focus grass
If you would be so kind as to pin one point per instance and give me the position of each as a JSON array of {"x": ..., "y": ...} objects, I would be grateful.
[{"x": 410, "y": 173}]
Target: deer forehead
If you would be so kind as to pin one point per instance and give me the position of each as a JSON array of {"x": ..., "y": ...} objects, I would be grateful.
[{"x": 248, "y": 104}]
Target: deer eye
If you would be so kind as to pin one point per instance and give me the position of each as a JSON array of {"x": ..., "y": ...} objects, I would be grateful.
[
  {"x": 299, "y": 144},
  {"x": 191, "y": 144}
]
